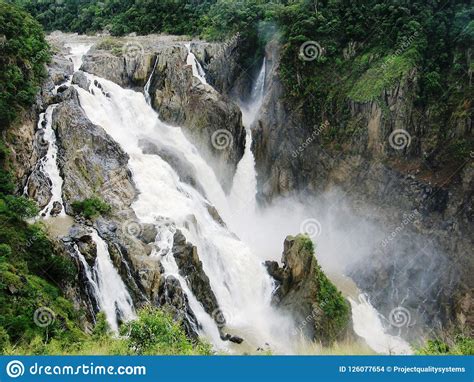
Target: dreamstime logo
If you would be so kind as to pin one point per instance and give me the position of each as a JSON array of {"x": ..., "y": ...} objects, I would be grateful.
[
  {"x": 310, "y": 51},
  {"x": 219, "y": 317},
  {"x": 132, "y": 228},
  {"x": 221, "y": 139},
  {"x": 399, "y": 139},
  {"x": 15, "y": 369},
  {"x": 316, "y": 132},
  {"x": 399, "y": 317},
  {"x": 222, "y": 317},
  {"x": 43, "y": 317},
  {"x": 311, "y": 227},
  {"x": 133, "y": 50}
]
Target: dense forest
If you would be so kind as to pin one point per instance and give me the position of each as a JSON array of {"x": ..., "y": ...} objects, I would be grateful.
[
  {"x": 388, "y": 37},
  {"x": 393, "y": 37}
]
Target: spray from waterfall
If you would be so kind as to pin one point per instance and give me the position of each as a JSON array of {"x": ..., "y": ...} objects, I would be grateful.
[{"x": 238, "y": 278}]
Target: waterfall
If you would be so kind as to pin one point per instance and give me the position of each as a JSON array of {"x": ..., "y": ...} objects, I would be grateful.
[
  {"x": 244, "y": 186},
  {"x": 146, "y": 89},
  {"x": 49, "y": 164},
  {"x": 240, "y": 282},
  {"x": 198, "y": 71},
  {"x": 368, "y": 325},
  {"x": 238, "y": 279},
  {"x": 108, "y": 288}
]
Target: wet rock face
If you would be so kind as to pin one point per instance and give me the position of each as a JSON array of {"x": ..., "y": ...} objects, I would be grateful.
[
  {"x": 318, "y": 308},
  {"x": 179, "y": 97},
  {"x": 190, "y": 267},
  {"x": 91, "y": 162},
  {"x": 292, "y": 157},
  {"x": 172, "y": 297},
  {"x": 39, "y": 188}
]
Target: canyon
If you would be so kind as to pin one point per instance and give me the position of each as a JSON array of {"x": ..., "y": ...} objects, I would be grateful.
[{"x": 202, "y": 165}]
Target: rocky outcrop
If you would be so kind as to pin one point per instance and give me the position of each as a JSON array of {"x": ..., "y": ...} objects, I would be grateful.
[
  {"x": 25, "y": 142},
  {"x": 318, "y": 308},
  {"x": 352, "y": 152},
  {"x": 176, "y": 94},
  {"x": 190, "y": 267}
]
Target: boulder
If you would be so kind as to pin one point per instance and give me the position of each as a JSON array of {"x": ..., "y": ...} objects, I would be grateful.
[
  {"x": 320, "y": 311},
  {"x": 190, "y": 267}
]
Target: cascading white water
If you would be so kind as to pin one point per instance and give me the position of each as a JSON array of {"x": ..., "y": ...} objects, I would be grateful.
[
  {"x": 368, "y": 324},
  {"x": 108, "y": 288},
  {"x": 78, "y": 50},
  {"x": 366, "y": 319},
  {"x": 49, "y": 164},
  {"x": 198, "y": 71},
  {"x": 146, "y": 89},
  {"x": 239, "y": 280},
  {"x": 244, "y": 186},
  {"x": 113, "y": 296}
]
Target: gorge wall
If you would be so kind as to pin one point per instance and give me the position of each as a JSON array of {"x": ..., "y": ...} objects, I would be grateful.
[{"x": 423, "y": 265}]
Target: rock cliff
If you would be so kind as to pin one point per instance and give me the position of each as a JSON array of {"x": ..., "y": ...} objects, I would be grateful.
[{"x": 304, "y": 291}]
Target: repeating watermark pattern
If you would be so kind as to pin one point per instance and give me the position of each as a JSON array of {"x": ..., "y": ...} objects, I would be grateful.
[
  {"x": 407, "y": 219},
  {"x": 310, "y": 51},
  {"x": 221, "y": 139},
  {"x": 133, "y": 50},
  {"x": 316, "y": 132},
  {"x": 219, "y": 317},
  {"x": 44, "y": 317},
  {"x": 404, "y": 46},
  {"x": 15, "y": 369},
  {"x": 399, "y": 139},
  {"x": 399, "y": 317},
  {"x": 311, "y": 227},
  {"x": 3, "y": 39},
  {"x": 132, "y": 228},
  {"x": 225, "y": 46}
]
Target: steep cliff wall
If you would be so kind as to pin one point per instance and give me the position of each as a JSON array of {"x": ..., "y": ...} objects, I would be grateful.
[{"x": 388, "y": 158}]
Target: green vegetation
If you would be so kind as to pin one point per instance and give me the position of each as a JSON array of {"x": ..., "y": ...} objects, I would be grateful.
[
  {"x": 153, "y": 332},
  {"x": 335, "y": 307},
  {"x": 24, "y": 52},
  {"x": 458, "y": 344},
  {"x": 382, "y": 76},
  {"x": 91, "y": 207},
  {"x": 364, "y": 49},
  {"x": 32, "y": 273}
]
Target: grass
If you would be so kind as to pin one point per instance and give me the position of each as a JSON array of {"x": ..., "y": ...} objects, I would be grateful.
[{"x": 382, "y": 76}]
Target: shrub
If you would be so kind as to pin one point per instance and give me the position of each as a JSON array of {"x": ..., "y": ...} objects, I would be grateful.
[
  {"x": 155, "y": 332},
  {"x": 91, "y": 207},
  {"x": 458, "y": 344}
]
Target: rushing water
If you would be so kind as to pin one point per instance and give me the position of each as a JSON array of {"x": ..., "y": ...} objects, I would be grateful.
[
  {"x": 108, "y": 287},
  {"x": 240, "y": 282},
  {"x": 368, "y": 324},
  {"x": 48, "y": 163},
  {"x": 198, "y": 71}
]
